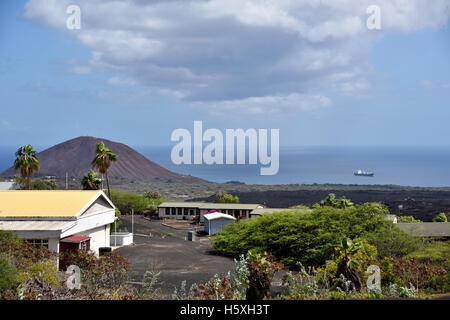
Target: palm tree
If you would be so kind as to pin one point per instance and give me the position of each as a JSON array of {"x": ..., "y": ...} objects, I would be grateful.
[
  {"x": 91, "y": 181},
  {"x": 102, "y": 161},
  {"x": 27, "y": 162}
]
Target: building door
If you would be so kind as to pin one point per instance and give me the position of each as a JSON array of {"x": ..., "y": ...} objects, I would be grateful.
[{"x": 69, "y": 246}]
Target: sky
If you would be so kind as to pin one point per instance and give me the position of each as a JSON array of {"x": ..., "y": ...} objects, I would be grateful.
[{"x": 137, "y": 70}]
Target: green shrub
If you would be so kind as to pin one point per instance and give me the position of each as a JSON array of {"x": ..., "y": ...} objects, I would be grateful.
[
  {"x": 434, "y": 251},
  {"x": 126, "y": 202},
  {"x": 103, "y": 277},
  {"x": 393, "y": 242},
  {"x": 8, "y": 274},
  {"x": 303, "y": 285},
  {"x": 441, "y": 217},
  {"x": 8, "y": 238},
  {"x": 389, "y": 278},
  {"x": 338, "y": 295},
  {"x": 46, "y": 270},
  {"x": 408, "y": 219},
  {"x": 311, "y": 238},
  {"x": 21, "y": 262},
  {"x": 405, "y": 292},
  {"x": 21, "y": 251},
  {"x": 423, "y": 274},
  {"x": 360, "y": 259}
]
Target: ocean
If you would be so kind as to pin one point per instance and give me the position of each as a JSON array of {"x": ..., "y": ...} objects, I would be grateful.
[{"x": 406, "y": 166}]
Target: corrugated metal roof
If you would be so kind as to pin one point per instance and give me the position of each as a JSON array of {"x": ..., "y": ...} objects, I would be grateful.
[
  {"x": 6, "y": 185},
  {"x": 33, "y": 204},
  {"x": 31, "y": 225},
  {"x": 180, "y": 204},
  {"x": 75, "y": 239},
  {"x": 218, "y": 215},
  {"x": 426, "y": 229},
  {"x": 210, "y": 205}
]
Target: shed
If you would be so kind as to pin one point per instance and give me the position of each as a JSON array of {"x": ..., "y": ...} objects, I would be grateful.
[{"x": 214, "y": 222}]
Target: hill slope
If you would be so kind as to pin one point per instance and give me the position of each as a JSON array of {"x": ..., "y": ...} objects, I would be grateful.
[{"x": 75, "y": 156}]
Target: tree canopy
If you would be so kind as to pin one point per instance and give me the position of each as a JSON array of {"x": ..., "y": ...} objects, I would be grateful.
[
  {"x": 223, "y": 197},
  {"x": 27, "y": 162},
  {"x": 35, "y": 184},
  {"x": 311, "y": 237},
  {"x": 91, "y": 181},
  {"x": 102, "y": 161}
]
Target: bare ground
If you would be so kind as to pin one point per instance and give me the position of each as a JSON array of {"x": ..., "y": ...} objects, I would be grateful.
[{"x": 168, "y": 251}]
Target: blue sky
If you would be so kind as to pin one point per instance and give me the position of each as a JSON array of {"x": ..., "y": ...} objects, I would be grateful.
[{"x": 143, "y": 69}]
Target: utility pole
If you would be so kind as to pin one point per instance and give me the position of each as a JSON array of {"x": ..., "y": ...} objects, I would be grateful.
[
  {"x": 67, "y": 181},
  {"x": 115, "y": 232},
  {"x": 132, "y": 223}
]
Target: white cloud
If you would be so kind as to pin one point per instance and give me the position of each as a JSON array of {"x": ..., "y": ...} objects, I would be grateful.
[
  {"x": 265, "y": 105},
  {"x": 117, "y": 81},
  {"x": 5, "y": 124},
  {"x": 221, "y": 53},
  {"x": 80, "y": 70},
  {"x": 434, "y": 85}
]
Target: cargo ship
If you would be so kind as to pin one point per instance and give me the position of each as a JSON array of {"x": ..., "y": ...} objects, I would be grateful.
[{"x": 361, "y": 173}]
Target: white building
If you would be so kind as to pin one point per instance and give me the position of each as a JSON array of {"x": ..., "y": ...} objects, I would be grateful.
[
  {"x": 6, "y": 185},
  {"x": 59, "y": 220},
  {"x": 187, "y": 210},
  {"x": 214, "y": 222}
]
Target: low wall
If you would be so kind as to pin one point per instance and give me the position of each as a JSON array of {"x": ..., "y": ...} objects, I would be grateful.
[
  {"x": 120, "y": 239},
  {"x": 426, "y": 229}
]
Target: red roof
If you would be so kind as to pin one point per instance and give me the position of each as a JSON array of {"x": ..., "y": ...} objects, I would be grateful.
[{"x": 75, "y": 239}]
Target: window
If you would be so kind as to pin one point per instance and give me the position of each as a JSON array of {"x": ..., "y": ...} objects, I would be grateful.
[
  {"x": 38, "y": 242},
  {"x": 186, "y": 211},
  {"x": 191, "y": 212},
  {"x": 180, "y": 211},
  {"x": 197, "y": 211},
  {"x": 83, "y": 245},
  {"x": 174, "y": 211},
  {"x": 167, "y": 211}
]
